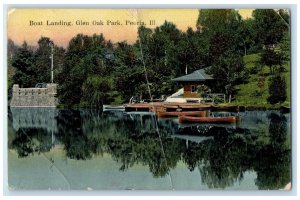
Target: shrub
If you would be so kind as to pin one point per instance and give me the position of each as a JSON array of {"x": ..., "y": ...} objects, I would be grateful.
[{"x": 277, "y": 89}]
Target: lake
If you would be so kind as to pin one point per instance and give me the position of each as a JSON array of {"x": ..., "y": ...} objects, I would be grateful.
[{"x": 84, "y": 149}]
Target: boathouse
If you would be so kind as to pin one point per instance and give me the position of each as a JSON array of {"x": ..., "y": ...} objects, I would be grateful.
[{"x": 193, "y": 81}]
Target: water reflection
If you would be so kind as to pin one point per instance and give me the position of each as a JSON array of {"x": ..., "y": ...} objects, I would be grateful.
[
  {"x": 273, "y": 159},
  {"x": 221, "y": 153}
]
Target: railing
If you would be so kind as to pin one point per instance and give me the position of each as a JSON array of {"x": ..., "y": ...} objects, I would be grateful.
[{"x": 213, "y": 97}]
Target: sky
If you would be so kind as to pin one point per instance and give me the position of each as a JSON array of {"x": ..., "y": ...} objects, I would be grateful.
[{"x": 117, "y": 24}]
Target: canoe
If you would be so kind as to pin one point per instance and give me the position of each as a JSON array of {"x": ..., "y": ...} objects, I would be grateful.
[
  {"x": 190, "y": 119},
  {"x": 181, "y": 113}
]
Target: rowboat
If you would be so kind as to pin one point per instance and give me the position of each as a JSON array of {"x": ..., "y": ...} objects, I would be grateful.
[
  {"x": 190, "y": 119},
  {"x": 181, "y": 113}
]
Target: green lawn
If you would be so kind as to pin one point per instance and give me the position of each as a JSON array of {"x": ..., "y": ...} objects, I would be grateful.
[{"x": 248, "y": 93}]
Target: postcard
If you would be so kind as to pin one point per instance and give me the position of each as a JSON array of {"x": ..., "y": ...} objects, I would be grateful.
[{"x": 149, "y": 99}]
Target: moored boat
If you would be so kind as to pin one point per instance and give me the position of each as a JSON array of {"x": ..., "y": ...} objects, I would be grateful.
[
  {"x": 181, "y": 113},
  {"x": 191, "y": 119}
]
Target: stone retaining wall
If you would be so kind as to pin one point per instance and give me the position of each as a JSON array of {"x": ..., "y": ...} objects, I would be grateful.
[{"x": 34, "y": 97}]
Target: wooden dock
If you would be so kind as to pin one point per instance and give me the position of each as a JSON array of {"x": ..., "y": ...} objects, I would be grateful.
[
  {"x": 164, "y": 107},
  {"x": 169, "y": 107}
]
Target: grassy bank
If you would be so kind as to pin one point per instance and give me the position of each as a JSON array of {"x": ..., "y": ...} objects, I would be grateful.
[{"x": 249, "y": 93}]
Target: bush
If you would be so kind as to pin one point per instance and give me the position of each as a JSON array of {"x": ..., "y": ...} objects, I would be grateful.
[{"x": 277, "y": 89}]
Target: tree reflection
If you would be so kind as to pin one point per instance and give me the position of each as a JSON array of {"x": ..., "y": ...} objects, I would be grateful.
[
  {"x": 31, "y": 140},
  {"x": 138, "y": 139},
  {"x": 223, "y": 163},
  {"x": 273, "y": 159},
  {"x": 70, "y": 133}
]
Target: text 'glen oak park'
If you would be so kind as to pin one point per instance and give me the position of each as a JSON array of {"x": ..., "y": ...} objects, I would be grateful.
[{"x": 91, "y": 23}]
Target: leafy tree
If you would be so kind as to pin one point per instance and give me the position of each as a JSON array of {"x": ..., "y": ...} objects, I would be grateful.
[
  {"x": 125, "y": 54},
  {"x": 85, "y": 56},
  {"x": 219, "y": 44},
  {"x": 98, "y": 90},
  {"x": 42, "y": 63},
  {"x": 11, "y": 49},
  {"x": 193, "y": 51},
  {"x": 23, "y": 61},
  {"x": 227, "y": 70},
  {"x": 269, "y": 27},
  {"x": 285, "y": 46},
  {"x": 42, "y": 60},
  {"x": 161, "y": 56},
  {"x": 32, "y": 67},
  {"x": 272, "y": 59},
  {"x": 217, "y": 20},
  {"x": 277, "y": 89},
  {"x": 246, "y": 36}
]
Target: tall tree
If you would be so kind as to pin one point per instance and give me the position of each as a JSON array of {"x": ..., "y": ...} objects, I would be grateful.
[
  {"x": 42, "y": 61},
  {"x": 85, "y": 56},
  {"x": 11, "y": 51},
  {"x": 246, "y": 36},
  {"x": 273, "y": 59},
  {"x": 193, "y": 51},
  {"x": 23, "y": 61},
  {"x": 98, "y": 90},
  {"x": 227, "y": 70},
  {"x": 217, "y": 20},
  {"x": 269, "y": 27}
]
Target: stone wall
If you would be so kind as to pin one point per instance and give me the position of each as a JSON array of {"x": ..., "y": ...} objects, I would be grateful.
[{"x": 34, "y": 97}]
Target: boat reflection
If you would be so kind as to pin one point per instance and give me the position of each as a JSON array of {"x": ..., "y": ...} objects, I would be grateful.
[{"x": 221, "y": 153}]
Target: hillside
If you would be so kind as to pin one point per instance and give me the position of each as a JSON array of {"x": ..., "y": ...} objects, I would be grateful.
[{"x": 248, "y": 93}]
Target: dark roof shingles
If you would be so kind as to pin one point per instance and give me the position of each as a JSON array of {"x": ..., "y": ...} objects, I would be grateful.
[{"x": 198, "y": 75}]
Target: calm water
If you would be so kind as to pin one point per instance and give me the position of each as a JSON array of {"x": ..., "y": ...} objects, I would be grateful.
[{"x": 88, "y": 150}]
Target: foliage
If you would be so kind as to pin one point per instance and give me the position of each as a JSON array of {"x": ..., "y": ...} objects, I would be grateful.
[
  {"x": 277, "y": 89},
  {"x": 269, "y": 27},
  {"x": 85, "y": 56},
  {"x": 222, "y": 159},
  {"x": 247, "y": 93},
  {"x": 97, "y": 90},
  {"x": 31, "y": 140},
  {"x": 23, "y": 61},
  {"x": 261, "y": 84},
  {"x": 34, "y": 66},
  {"x": 226, "y": 71},
  {"x": 217, "y": 20},
  {"x": 285, "y": 45},
  {"x": 272, "y": 59},
  {"x": 221, "y": 39}
]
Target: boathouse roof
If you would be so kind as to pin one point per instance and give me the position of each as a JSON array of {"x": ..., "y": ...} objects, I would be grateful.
[{"x": 198, "y": 75}]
